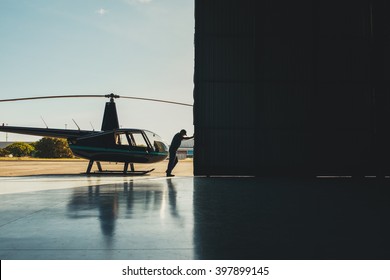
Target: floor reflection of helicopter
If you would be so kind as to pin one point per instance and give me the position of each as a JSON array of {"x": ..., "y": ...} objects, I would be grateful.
[
  {"x": 130, "y": 200},
  {"x": 111, "y": 143}
]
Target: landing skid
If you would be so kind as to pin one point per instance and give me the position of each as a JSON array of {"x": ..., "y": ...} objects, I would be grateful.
[
  {"x": 120, "y": 173},
  {"x": 125, "y": 171}
]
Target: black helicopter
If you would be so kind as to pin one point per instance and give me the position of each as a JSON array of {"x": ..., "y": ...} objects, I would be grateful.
[{"x": 111, "y": 144}]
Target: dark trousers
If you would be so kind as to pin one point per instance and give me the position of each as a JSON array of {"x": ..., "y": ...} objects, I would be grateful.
[{"x": 172, "y": 161}]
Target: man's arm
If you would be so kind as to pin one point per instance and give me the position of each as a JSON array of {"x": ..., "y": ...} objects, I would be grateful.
[{"x": 188, "y": 138}]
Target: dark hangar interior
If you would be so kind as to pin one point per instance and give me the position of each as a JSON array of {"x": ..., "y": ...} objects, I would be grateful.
[{"x": 292, "y": 87}]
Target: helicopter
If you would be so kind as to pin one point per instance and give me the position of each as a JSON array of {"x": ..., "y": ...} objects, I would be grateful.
[{"x": 111, "y": 143}]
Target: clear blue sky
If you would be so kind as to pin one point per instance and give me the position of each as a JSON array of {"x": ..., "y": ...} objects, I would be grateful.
[{"x": 128, "y": 47}]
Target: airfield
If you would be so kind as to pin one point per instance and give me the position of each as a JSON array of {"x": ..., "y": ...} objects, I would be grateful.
[
  {"x": 50, "y": 211},
  {"x": 33, "y": 167}
]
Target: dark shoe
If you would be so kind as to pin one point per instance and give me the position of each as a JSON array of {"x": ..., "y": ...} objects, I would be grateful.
[{"x": 170, "y": 175}]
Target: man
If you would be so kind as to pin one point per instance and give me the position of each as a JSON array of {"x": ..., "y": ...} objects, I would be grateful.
[{"x": 176, "y": 142}]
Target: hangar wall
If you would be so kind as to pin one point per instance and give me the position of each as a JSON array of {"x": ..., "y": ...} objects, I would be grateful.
[{"x": 291, "y": 87}]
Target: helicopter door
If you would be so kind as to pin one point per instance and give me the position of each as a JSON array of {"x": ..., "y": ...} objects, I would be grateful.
[{"x": 139, "y": 141}]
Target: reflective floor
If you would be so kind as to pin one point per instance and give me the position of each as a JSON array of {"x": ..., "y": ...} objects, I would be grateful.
[{"x": 76, "y": 217}]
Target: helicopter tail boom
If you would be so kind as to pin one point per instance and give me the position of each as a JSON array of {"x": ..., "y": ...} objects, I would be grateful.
[{"x": 45, "y": 132}]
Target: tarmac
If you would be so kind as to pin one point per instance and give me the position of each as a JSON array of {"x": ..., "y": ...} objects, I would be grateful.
[
  {"x": 79, "y": 217},
  {"x": 31, "y": 167}
]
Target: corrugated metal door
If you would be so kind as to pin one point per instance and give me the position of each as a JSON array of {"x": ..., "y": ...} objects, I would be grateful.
[{"x": 291, "y": 87}]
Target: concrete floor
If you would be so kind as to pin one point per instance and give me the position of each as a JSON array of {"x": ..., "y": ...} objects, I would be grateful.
[{"x": 78, "y": 217}]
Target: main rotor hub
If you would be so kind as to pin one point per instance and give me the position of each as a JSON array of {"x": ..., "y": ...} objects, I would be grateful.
[{"x": 112, "y": 96}]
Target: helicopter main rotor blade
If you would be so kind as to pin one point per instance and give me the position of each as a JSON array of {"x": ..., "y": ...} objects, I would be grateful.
[
  {"x": 156, "y": 100},
  {"x": 112, "y": 96},
  {"x": 49, "y": 97}
]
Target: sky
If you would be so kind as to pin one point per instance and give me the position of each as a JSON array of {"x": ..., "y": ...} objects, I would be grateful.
[{"x": 141, "y": 48}]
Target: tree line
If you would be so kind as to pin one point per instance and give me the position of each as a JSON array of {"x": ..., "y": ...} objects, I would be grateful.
[{"x": 44, "y": 148}]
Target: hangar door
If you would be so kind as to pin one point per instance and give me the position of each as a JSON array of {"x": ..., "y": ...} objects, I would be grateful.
[{"x": 291, "y": 87}]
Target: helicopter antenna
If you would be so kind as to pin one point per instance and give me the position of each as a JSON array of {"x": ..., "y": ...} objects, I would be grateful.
[
  {"x": 92, "y": 126},
  {"x": 44, "y": 122},
  {"x": 76, "y": 124}
]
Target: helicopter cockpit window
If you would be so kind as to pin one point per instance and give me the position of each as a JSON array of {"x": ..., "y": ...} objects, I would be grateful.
[
  {"x": 121, "y": 139},
  {"x": 156, "y": 141},
  {"x": 138, "y": 139}
]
